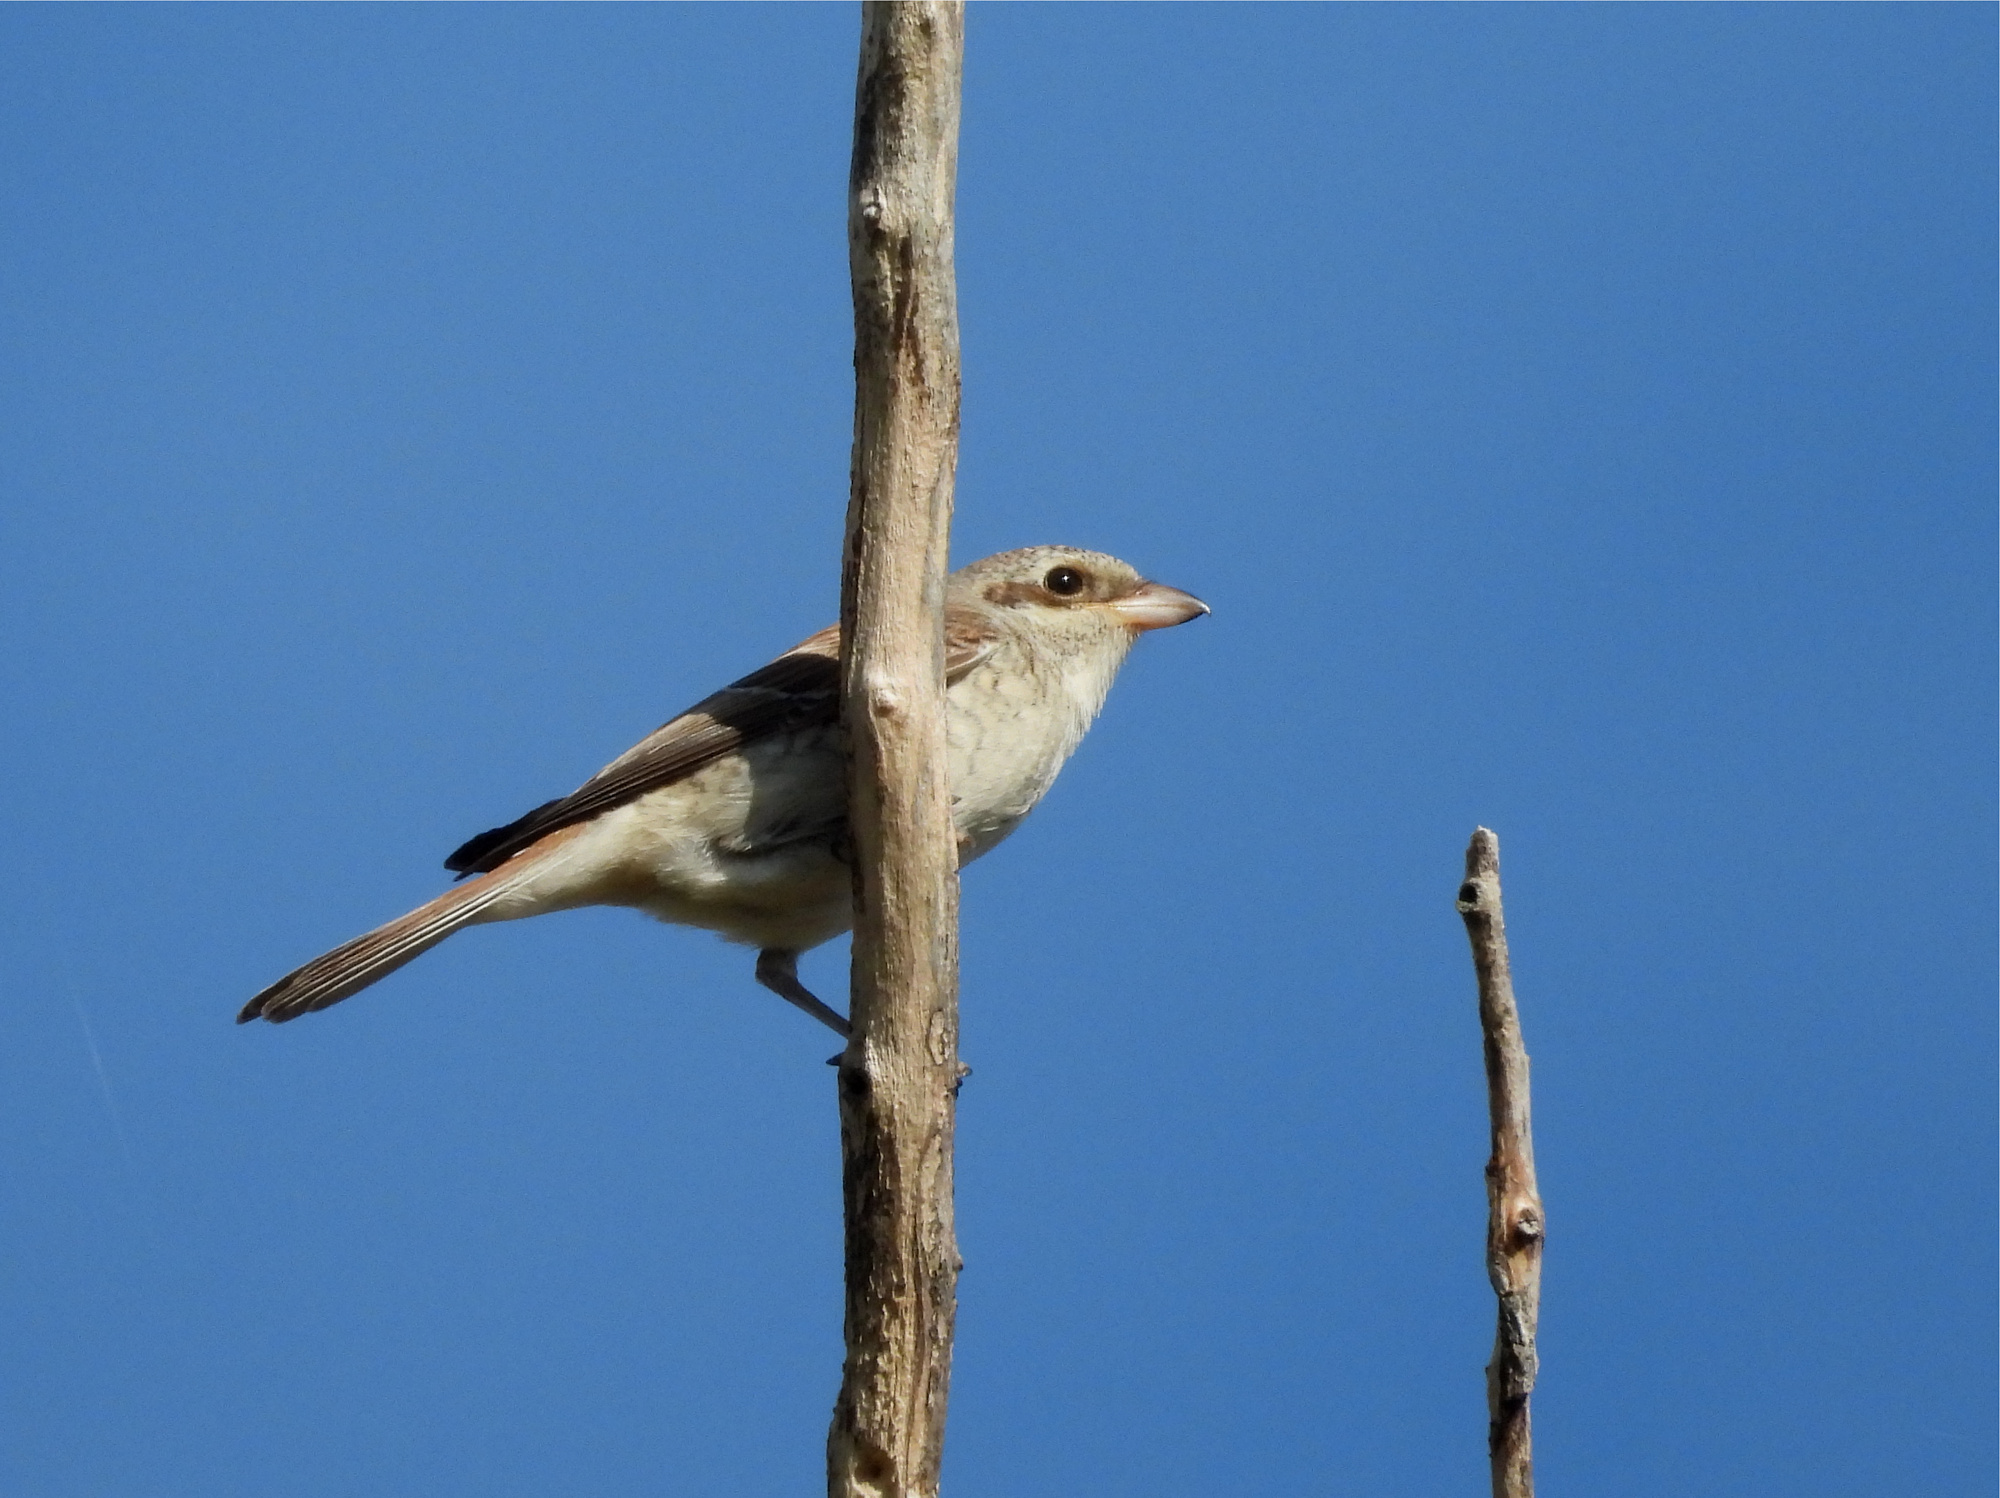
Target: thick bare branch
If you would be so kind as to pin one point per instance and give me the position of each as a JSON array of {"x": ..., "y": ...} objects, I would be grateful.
[
  {"x": 899, "y": 1076},
  {"x": 1514, "y": 1228}
]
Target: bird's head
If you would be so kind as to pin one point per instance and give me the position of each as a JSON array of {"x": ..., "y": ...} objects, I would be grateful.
[{"x": 1074, "y": 591}]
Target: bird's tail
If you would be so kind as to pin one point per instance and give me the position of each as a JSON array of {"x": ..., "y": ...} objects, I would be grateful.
[{"x": 352, "y": 966}]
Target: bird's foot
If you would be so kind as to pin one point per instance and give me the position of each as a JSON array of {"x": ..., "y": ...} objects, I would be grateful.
[{"x": 779, "y": 972}]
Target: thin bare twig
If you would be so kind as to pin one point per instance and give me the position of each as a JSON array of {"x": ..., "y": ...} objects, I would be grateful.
[
  {"x": 1515, "y": 1226},
  {"x": 899, "y": 1075}
]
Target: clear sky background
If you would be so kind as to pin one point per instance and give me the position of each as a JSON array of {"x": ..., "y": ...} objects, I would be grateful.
[{"x": 1581, "y": 421}]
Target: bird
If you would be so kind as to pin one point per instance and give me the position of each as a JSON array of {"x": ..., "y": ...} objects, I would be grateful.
[{"x": 733, "y": 816}]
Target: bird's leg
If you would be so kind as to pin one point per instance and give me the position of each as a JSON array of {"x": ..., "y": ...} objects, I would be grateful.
[{"x": 779, "y": 972}]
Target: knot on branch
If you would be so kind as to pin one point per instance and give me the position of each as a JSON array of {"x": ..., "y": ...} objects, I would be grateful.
[
  {"x": 885, "y": 702},
  {"x": 855, "y": 1083},
  {"x": 872, "y": 1470}
]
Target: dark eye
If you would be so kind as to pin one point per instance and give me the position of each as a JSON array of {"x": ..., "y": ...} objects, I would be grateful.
[{"x": 1064, "y": 580}]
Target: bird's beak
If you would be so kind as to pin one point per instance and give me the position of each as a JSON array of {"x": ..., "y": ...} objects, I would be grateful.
[{"x": 1156, "y": 606}]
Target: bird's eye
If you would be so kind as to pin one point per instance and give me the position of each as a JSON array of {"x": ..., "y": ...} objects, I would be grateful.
[{"x": 1064, "y": 580}]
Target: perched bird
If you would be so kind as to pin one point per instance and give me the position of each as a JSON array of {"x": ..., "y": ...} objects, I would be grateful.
[{"x": 733, "y": 816}]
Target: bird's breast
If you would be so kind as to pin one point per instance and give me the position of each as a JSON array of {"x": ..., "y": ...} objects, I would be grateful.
[{"x": 1011, "y": 723}]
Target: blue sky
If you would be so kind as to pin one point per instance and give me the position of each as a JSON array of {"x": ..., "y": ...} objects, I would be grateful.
[{"x": 1581, "y": 421}]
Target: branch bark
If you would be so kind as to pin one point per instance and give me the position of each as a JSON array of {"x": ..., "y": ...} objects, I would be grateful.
[
  {"x": 899, "y": 1076},
  {"x": 1514, "y": 1225}
]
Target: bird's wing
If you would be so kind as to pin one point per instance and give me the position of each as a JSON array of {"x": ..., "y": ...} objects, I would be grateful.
[
  {"x": 969, "y": 637},
  {"x": 798, "y": 690}
]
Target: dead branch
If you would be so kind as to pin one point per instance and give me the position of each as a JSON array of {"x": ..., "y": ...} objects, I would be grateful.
[
  {"x": 1514, "y": 1229},
  {"x": 899, "y": 1076}
]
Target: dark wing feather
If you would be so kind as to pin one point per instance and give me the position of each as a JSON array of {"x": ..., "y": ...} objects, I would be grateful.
[
  {"x": 797, "y": 690},
  {"x": 800, "y": 689}
]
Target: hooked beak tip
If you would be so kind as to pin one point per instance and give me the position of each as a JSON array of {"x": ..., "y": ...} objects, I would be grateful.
[{"x": 1157, "y": 606}]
